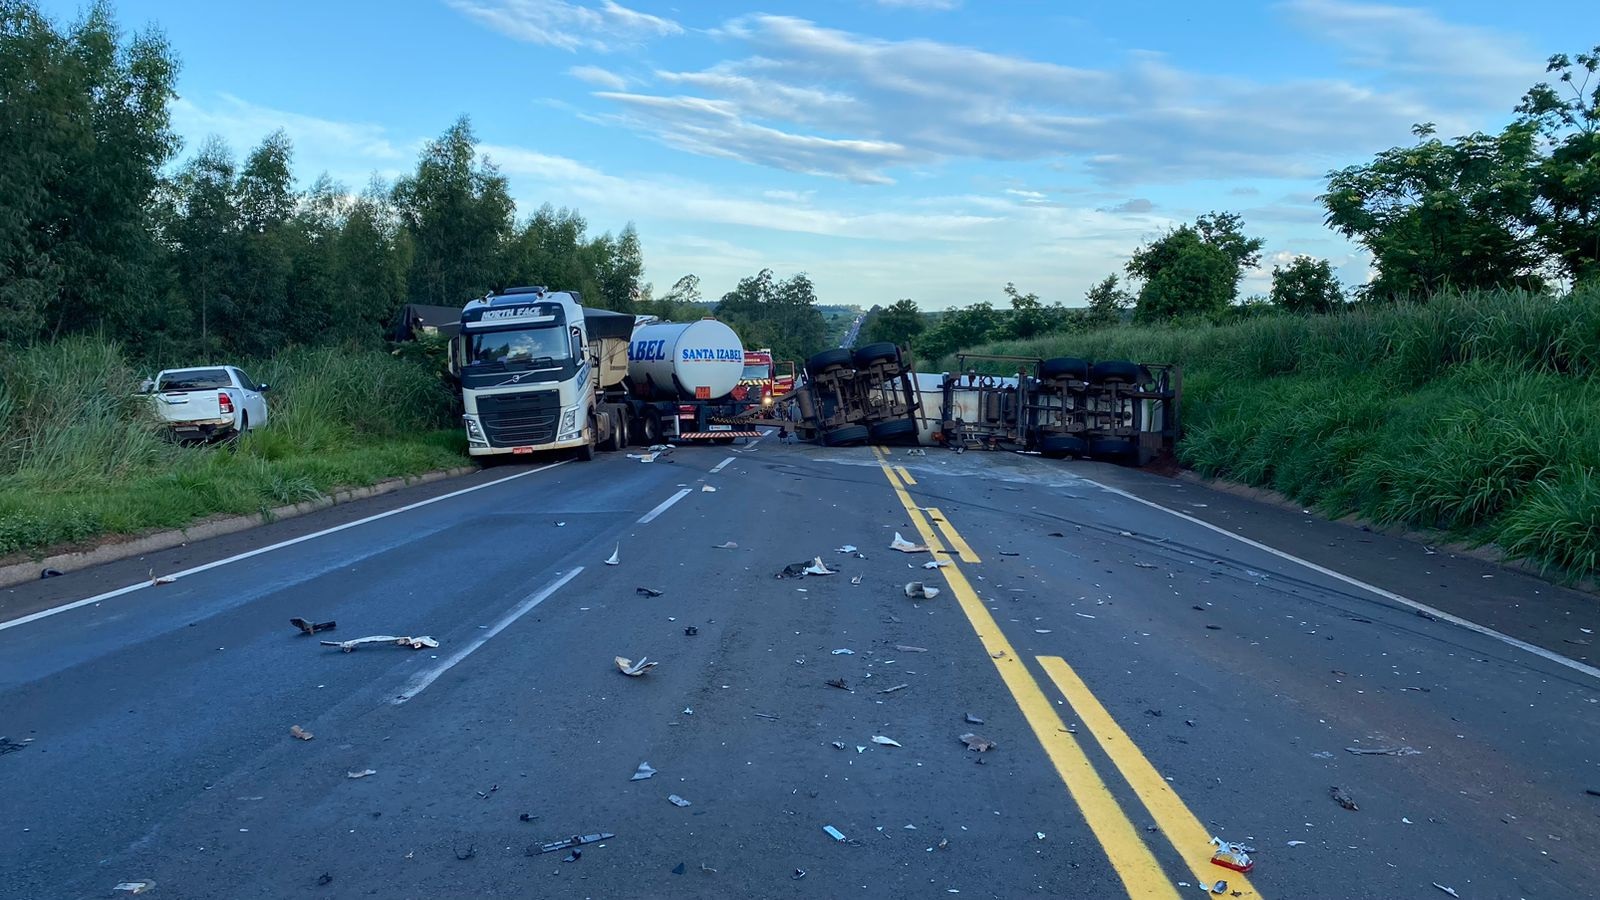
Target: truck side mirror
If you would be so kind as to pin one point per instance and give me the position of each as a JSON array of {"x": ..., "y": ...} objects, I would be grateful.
[{"x": 147, "y": 386}]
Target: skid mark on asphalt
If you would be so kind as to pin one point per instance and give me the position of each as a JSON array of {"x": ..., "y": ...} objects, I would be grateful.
[{"x": 1136, "y": 866}]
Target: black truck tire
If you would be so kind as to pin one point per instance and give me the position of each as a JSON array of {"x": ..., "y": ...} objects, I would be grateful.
[
  {"x": 828, "y": 359},
  {"x": 1115, "y": 371},
  {"x": 586, "y": 452},
  {"x": 652, "y": 426},
  {"x": 1064, "y": 367},
  {"x": 1056, "y": 446},
  {"x": 883, "y": 351},
  {"x": 894, "y": 431},
  {"x": 1113, "y": 448},
  {"x": 845, "y": 436}
]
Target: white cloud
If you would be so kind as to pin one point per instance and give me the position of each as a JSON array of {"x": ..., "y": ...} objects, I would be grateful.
[
  {"x": 806, "y": 98},
  {"x": 1132, "y": 205},
  {"x": 602, "y": 78},
  {"x": 351, "y": 151},
  {"x": 568, "y": 26}
]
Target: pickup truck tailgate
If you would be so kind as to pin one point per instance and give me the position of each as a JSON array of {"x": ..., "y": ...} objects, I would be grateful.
[{"x": 189, "y": 406}]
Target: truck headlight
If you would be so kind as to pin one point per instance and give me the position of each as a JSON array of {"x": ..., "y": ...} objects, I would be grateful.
[
  {"x": 475, "y": 433},
  {"x": 569, "y": 420}
]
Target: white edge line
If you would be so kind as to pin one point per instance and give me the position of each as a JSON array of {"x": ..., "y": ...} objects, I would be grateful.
[
  {"x": 662, "y": 507},
  {"x": 1484, "y": 630},
  {"x": 45, "y": 613},
  {"x": 719, "y": 466},
  {"x": 420, "y": 681}
]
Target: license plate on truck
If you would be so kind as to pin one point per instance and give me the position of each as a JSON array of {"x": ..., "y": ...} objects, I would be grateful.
[{"x": 521, "y": 451}]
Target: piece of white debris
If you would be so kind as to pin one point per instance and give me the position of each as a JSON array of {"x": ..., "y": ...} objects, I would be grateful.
[
  {"x": 856, "y": 580},
  {"x": 729, "y": 545},
  {"x": 885, "y": 741},
  {"x": 847, "y": 548},
  {"x": 844, "y": 651},
  {"x": 707, "y": 489},
  {"x": 817, "y": 568},
  {"x": 361, "y": 774},
  {"x": 415, "y": 643},
  {"x": 677, "y": 801},
  {"x": 629, "y": 667},
  {"x": 936, "y": 564},
  {"x": 616, "y": 556},
  {"x": 905, "y": 546}
]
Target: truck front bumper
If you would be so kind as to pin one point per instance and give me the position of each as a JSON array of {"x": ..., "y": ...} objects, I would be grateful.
[{"x": 569, "y": 444}]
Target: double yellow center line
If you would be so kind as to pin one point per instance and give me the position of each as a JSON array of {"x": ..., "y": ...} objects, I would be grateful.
[{"x": 1135, "y": 864}]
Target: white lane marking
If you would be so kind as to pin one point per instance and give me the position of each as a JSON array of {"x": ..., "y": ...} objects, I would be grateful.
[
  {"x": 420, "y": 681},
  {"x": 97, "y": 598},
  {"x": 1484, "y": 630},
  {"x": 666, "y": 504},
  {"x": 718, "y": 467}
]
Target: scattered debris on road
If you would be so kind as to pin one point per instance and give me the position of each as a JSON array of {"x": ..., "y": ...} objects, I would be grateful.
[
  {"x": 847, "y": 548},
  {"x": 571, "y": 842},
  {"x": 324, "y": 879},
  {"x": 158, "y": 580},
  {"x": 7, "y": 745},
  {"x": 361, "y": 774},
  {"x": 798, "y": 874},
  {"x": 838, "y": 683},
  {"x": 998, "y": 654},
  {"x": 906, "y": 648},
  {"x": 1383, "y": 751},
  {"x": 936, "y": 564},
  {"x": 1297, "y": 843},
  {"x": 707, "y": 489},
  {"x": 615, "y": 558},
  {"x": 678, "y": 869},
  {"x": 885, "y": 741},
  {"x": 980, "y": 744},
  {"x": 905, "y": 546},
  {"x": 301, "y": 733},
  {"x": 312, "y": 627},
  {"x": 838, "y": 745},
  {"x": 1232, "y": 856},
  {"x": 526, "y": 817},
  {"x": 898, "y": 687},
  {"x": 690, "y": 631},
  {"x": 1145, "y": 565},
  {"x": 817, "y": 568},
  {"x": 647, "y": 592},
  {"x": 916, "y": 590},
  {"x": 484, "y": 795},
  {"x": 856, "y": 579},
  {"x": 1009, "y": 553},
  {"x": 1213, "y": 627},
  {"x": 1221, "y": 887},
  {"x": 644, "y": 771},
  {"x": 415, "y": 643},
  {"x": 1341, "y": 797},
  {"x": 833, "y": 832},
  {"x": 50, "y": 573},
  {"x": 466, "y": 854},
  {"x": 675, "y": 800},
  {"x": 769, "y": 716},
  {"x": 844, "y": 651},
  {"x": 726, "y": 545},
  {"x": 973, "y": 720},
  {"x": 644, "y": 457},
  {"x": 1450, "y": 891},
  {"x": 134, "y": 887},
  {"x": 629, "y": 667}
]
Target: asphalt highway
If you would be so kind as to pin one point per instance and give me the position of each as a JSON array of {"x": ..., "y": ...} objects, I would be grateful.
[{"x": 1154, "y": 662}]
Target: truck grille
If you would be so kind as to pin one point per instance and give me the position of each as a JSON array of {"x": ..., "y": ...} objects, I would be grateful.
[{"x": 519, "y": 420}]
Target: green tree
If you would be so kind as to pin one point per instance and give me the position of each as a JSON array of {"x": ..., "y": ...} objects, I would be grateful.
[
  {"x": 1306, "y": 285},
  {"x": 1183, "y": 275},
  {"x": 1106, "y": 302},
  {"x": 898, "y": 323},
  {"x": 781, "y": 315},
  {"x": 84, "y": 132},
  {"x": 458, "y": 212},
  {"x": 203, "y": 229},
  {"x": 1443, "y": 214},
  {"x": 1566, "y": 181},
  {"x": 958, "y": 329},
  {"x": 1029, "y": 316}
]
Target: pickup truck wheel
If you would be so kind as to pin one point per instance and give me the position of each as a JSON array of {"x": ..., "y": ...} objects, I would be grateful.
[{"x": 894, "y": 431}]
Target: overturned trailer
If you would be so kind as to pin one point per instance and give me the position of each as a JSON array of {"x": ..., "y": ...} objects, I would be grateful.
[{"x": 1114, "y": 409}]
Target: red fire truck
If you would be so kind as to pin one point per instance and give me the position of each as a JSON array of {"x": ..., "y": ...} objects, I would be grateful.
[{"x": 761, "y": 383}]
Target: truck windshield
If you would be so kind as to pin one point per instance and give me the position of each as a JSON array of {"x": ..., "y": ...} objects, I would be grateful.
[
  {"x": 753, "y": 372},
  {"x": 194, "y": 380},
  {"x": 521, "y": 347}
]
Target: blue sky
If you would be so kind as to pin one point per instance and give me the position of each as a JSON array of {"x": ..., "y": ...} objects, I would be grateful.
[{"x": 933, "y": 149}]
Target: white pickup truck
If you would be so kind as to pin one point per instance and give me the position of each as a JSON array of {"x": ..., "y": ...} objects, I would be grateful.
[{"x": 208, "y": 403}]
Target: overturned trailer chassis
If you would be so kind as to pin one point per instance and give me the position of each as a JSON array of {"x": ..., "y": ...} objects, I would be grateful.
[{"x": 1065, "y": 406}]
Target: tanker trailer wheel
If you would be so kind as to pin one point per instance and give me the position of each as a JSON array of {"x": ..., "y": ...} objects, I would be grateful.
[
  {"x": 652, "y": 426},
  {"x": 1064, "y": 367},
  {"x": 894, "y": 431},
  {"x": 828, "y": 359},
  {"x": 1115, "y": 371},
  {"x": 845, "y": 436},
  {"x": 619, "y": 432},
  {"x": 1113, "y": 448},
  {"x": 1056, "y": 446},
  {"x": 883, "y": 351}
]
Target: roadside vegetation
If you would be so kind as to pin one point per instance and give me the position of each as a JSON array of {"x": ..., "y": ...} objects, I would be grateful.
[
  {"x": 80, "y": 455},
  {"x": 1476, "y": 413}
]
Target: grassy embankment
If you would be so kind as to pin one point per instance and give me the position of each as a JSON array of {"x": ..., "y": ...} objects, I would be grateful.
[
  {"x": 80, "y": 456},
  {"x": 1478, "y": 415}
]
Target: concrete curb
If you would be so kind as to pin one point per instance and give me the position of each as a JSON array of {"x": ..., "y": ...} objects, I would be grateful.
[{"x": 26, "y": 569}]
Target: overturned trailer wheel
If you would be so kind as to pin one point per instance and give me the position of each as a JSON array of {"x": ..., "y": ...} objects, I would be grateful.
[
  {"x": 894, "y": 431},
  {"x": 1064, "y": 367},
  {"x": 845, "y": 436},
  {"x": 837, "y": 358},
  {"x": 1057, "y": 446},
  {"x": 871, "y": 354},
  {"x": 1116, "y": 371}
]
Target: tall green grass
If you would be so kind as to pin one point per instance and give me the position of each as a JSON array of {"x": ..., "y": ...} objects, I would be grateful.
[
  {"x": 82, "y": 456},
  {"x": 1477, "y": 414}
]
